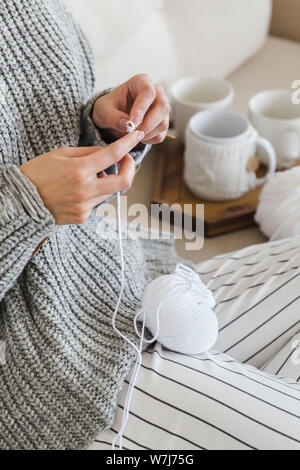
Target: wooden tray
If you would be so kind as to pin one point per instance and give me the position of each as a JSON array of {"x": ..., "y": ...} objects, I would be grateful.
[{"x": 219, "y": 217}]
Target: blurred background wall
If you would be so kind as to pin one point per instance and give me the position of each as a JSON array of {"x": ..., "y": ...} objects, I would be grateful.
[
  {"x": 171, "y": 38},
  {"x": 286, "y": 19}
]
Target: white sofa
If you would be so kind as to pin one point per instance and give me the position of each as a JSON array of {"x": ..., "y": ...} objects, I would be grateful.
[{"x": 171, "y": 38}]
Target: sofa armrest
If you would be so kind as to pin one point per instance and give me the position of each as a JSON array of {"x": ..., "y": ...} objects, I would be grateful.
[{"x": 285, "y": 20}]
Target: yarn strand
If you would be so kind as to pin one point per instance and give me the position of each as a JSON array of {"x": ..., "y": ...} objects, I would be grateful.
[
  {"x": 138, "y": 351},
  {"x": 176, "y": 308}
]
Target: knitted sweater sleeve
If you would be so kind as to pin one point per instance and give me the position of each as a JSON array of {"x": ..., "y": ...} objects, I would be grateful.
[
  {"x": 24, "y": 223},
  {"x": 91, "y": 134}
]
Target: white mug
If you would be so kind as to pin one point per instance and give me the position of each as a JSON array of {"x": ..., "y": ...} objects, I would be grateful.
[
  {"x": 277, "y": 118},
  {"x": 193, "y": 94},
  {"x": 219, "y": 145}
]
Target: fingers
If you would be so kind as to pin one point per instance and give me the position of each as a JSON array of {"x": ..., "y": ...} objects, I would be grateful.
[
  {"x": 108, "y": 185},
  {"x": 75, "y": 152},
  {"x": 158, "y": 135},
  {"x": 117, "y": 119},
  {"x": 113, "y": 153},
  {"x": 85, "y": 195},
  {"x": 95, "y": 201},
  {"x": 158, "y": 113},
  {"x": 143, "y": 89}
]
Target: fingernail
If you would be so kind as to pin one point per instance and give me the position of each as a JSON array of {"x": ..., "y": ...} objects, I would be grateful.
[
  {"x": 123, "y": 125},
  {"x": 137, "y": 120},
  {"x": 140, "y": 135}
]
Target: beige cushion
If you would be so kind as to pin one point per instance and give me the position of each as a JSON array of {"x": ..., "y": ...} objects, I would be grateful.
[
  {"x": 286, "y": 17},
  {"x": 277, "y": 65}
]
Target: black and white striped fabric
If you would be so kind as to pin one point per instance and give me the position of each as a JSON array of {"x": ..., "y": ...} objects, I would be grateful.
[
  {"x": 246, "y": 393},
  {"x": 287, "y": 362}
]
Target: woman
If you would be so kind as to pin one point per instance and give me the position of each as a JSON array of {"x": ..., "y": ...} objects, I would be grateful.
[
  {"x": 64, "y": 365},
  {"x": 63, "y": 361}
]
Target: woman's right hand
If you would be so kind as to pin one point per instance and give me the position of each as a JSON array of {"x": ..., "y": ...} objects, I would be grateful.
[{"x": 72, "y": 181}]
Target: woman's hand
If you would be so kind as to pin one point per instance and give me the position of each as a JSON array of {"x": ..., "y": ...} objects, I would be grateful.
[
  {"x": 138, "y": 100},
  {"x": 72, "y": 181}
]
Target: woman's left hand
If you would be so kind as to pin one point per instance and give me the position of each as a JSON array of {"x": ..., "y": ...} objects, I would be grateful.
[{"x": 138, "y": 100}]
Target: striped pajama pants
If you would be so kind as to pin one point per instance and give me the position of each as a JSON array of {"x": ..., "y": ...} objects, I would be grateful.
[{"x": 245, "y": 394}]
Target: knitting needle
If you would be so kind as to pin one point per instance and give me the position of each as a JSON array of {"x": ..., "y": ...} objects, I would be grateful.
[
  {"x": 38, "y": 248},
  {"x": 132, "y": 127}
]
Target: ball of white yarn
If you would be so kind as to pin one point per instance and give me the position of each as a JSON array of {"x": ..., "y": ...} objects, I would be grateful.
[
  {"x": 279, "y": 206},
  {"x": 179, "y": 312}
]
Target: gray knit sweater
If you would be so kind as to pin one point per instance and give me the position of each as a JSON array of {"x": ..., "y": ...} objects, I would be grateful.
[{"x": 64, "y": 364}]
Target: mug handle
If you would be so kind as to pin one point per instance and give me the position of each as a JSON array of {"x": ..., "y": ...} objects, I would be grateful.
[
  {"x": 272, "y": 159},
  {"x": 290, "y": 143}
]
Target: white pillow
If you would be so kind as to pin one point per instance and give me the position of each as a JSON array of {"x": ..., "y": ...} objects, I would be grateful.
[{"x": 171, "y": 38}]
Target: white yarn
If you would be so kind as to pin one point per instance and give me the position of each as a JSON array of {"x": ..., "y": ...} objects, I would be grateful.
[
  {"x": 137, "y": 350},
  {"x": 177, "y": 309},
  {"x": 130, "y": 126},
  {"x": 279, "y": 205}
]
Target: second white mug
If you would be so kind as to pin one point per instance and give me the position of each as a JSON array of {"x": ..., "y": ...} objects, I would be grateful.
[{"x": 277, "y": 118}]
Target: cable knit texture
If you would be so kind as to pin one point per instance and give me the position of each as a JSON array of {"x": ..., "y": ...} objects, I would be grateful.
[{"x": 64, "y": 364}]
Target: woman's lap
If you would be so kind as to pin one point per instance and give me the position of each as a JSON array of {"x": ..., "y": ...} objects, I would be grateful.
[
  {"x": 216, "y": 402},
  {"x": 207, "y": 402}
]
